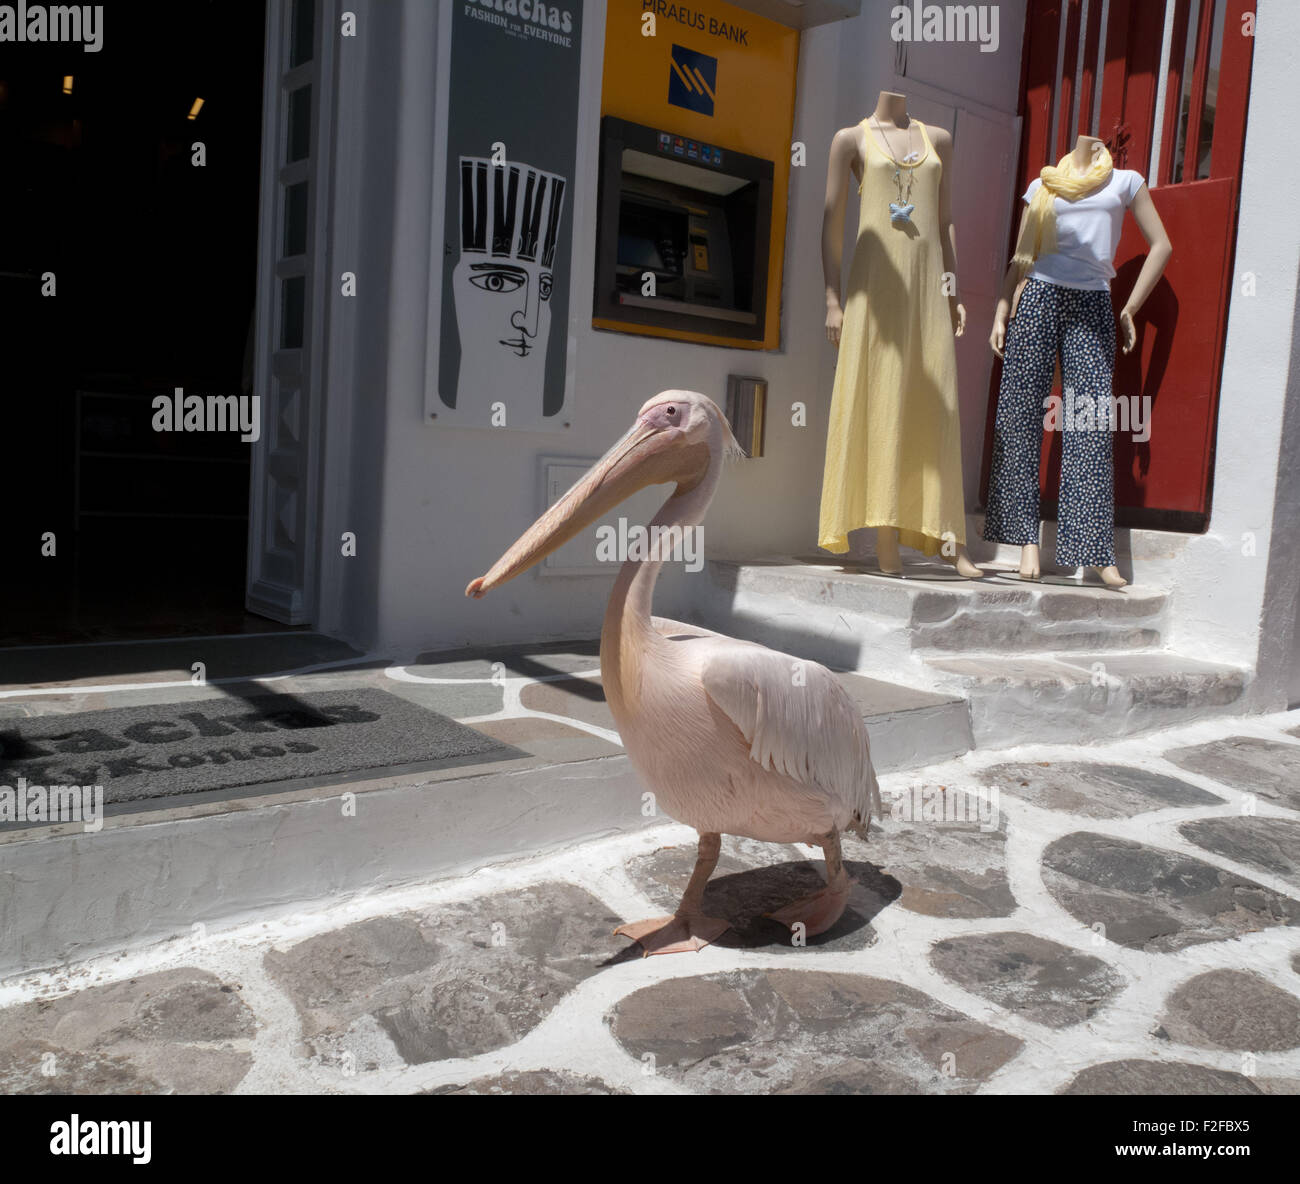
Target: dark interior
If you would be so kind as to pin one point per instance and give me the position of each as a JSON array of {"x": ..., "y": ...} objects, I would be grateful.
[{"x": 154, "y": 264}]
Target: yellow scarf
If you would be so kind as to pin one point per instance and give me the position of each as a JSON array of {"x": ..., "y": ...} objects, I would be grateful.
[{"x": 1039, "y": 234}]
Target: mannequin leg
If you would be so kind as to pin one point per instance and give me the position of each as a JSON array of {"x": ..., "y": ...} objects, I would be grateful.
[
  {"x": 887, "y": 558},
  {"x": 963, "y": 563},
  {"x": 1030, "y": 564},
  {"x": 1086, "y": 537},
  {"x": 1027, "y": 369}
]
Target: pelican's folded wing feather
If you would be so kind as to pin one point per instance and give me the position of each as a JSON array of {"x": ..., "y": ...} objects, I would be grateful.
[{"x": 796, "y": 717}]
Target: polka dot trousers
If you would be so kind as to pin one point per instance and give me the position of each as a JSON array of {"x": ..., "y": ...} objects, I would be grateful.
[{"x": 1080, "y": 326}]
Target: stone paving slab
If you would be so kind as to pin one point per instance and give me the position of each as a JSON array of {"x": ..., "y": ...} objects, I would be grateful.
[
  {"x": 806, "y": 1031},
  {"x": 1097, "y": 790},
  {"x": 946, "y": 868},
  {"x": 1041, "y": 980},
  {"x": 582, "y": 699},
  {"x": 178, "y": 1031},
  {"x": 532, "y": 1082},
  {"x": 1233, "y": 1009},
  {"x": 547, "y": 739},
  {"x": 452, "y": 982},
  {"x": 463, "y": 699},
  {"x": 1253, "y": 765},
  {"x": 1151, "y": 899},
  {"x": 1270, "y": 844},
  {"x": 1160, "y": 1078}
]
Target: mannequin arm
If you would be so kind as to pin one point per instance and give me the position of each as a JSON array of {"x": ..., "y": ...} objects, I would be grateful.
[
  {"x": 942, "y": 142},
  {"x": 1160, "y": 249},
  {"x": 843, "y": 149},
  {"x": 1006, "y": 298}
]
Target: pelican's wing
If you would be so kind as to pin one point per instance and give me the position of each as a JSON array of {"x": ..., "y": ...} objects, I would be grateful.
[{"x": 796, "y": 717}]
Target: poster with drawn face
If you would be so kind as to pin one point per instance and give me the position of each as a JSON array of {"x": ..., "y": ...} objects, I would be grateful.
[{"x": 508, "y": 235}]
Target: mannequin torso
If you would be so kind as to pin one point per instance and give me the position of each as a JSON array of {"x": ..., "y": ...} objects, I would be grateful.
[
  {"x": 900, "y": 143},
  {"x": 1081, "y": 159}
]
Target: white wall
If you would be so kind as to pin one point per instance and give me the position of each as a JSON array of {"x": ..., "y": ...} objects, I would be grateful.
[
  {"x": 1233, "y": 606},
  {"x": 445, "y": 502}
]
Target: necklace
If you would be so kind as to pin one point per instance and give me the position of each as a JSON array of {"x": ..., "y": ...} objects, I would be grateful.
[{"x": 901, "y": 210}]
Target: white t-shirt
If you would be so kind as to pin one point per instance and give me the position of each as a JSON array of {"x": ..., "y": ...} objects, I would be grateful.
[{"x": 1087, "y": 233}]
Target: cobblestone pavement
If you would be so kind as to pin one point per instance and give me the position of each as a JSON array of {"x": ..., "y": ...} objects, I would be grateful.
[{"x": 1110, "y": 919}]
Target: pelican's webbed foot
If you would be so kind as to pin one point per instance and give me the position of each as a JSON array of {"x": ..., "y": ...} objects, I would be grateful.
[
  {"x": 674, "y": 935},
  {"x": 818, "y": 911}
]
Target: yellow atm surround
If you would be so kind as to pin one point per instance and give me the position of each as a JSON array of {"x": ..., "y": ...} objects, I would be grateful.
[{"x": 751, "y": 101}]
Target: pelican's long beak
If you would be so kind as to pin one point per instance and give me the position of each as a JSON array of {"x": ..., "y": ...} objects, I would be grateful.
[{"x": 646, "y": 455}]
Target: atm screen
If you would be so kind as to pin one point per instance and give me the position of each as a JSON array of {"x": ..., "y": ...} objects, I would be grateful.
[
  {"x": 651, "y": 236},
  {"x": 634, "y": 251}
]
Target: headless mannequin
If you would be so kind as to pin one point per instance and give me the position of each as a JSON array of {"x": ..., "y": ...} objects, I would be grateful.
[
  {"x": 893, "y": 129},
  {"x": 1144, "y": 213}
]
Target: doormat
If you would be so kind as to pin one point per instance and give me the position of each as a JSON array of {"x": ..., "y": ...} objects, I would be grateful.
[{"x": 165, "y": 750}]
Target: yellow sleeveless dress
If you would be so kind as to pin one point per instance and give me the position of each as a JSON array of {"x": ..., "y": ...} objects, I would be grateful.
[{"x": 893, "y": 448}]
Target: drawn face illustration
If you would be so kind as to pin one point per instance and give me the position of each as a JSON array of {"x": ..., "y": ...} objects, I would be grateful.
[{"x": 502, "y": 284}]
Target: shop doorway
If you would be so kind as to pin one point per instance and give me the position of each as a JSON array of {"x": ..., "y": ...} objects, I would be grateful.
[
  {"x": 128, "y": 268},
  {"x": 1166, "y": 84}
]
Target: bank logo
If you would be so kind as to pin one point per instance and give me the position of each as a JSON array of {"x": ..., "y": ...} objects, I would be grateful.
[{"x": 692, "y": 80}]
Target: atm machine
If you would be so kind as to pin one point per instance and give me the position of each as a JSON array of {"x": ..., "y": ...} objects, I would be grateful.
[{"x": 683, "y": 235}]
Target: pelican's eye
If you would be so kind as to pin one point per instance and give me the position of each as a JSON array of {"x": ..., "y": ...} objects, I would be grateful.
[{"x": 672, "y": 411}]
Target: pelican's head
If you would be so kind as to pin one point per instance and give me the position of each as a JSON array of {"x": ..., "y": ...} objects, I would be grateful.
[{"x": 678, "y": 436}]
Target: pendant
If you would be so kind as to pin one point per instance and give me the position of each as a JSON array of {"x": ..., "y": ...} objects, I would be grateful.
[{"x": 900, "y": 213}]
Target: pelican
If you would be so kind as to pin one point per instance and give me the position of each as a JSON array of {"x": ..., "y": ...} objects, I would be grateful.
[{"x": 731, "y": 737}]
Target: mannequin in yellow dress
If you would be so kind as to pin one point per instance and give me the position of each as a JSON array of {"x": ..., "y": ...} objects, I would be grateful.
[{"x": 893, "y": 450}]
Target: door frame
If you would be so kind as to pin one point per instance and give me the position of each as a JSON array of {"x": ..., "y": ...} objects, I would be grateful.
[{"x": 285, "y": 485}]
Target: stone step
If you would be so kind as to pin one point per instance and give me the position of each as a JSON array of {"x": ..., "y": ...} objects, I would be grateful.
[
  {"x": 908, "y": 727},
  {"x": 1082, "y": 697},
  {"x": 932, "y": 611}
]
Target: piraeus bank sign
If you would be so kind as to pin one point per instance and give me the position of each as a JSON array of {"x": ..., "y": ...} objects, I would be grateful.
[{"x": 692, "y": 18}]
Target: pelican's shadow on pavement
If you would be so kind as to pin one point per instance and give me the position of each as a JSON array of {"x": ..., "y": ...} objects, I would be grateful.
[{"x": 742, "y": 897}]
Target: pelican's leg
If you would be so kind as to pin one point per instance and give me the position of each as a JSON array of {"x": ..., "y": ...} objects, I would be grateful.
[
  {"x": 821, "y": 910},
  {"x": 688, "y": 929}
]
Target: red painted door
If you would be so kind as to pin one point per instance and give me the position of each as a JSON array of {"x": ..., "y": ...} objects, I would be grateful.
[{"x": 1107, "y": 84}]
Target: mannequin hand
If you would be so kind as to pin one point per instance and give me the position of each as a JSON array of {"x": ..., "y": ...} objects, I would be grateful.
[
  {"x": 997, "y": 339},
  {"x": 834, "y": 322},
  {"x": 958, "y": 312},
  {"x": 1128, "y": 329}
]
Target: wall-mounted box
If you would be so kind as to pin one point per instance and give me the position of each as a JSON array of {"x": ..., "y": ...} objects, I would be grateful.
[
  {"x": 578, "y": 557},
  {"x": 747, "y": 412}
]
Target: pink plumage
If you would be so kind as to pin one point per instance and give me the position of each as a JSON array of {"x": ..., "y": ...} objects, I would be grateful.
[{"x": 731, "y": 737}]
